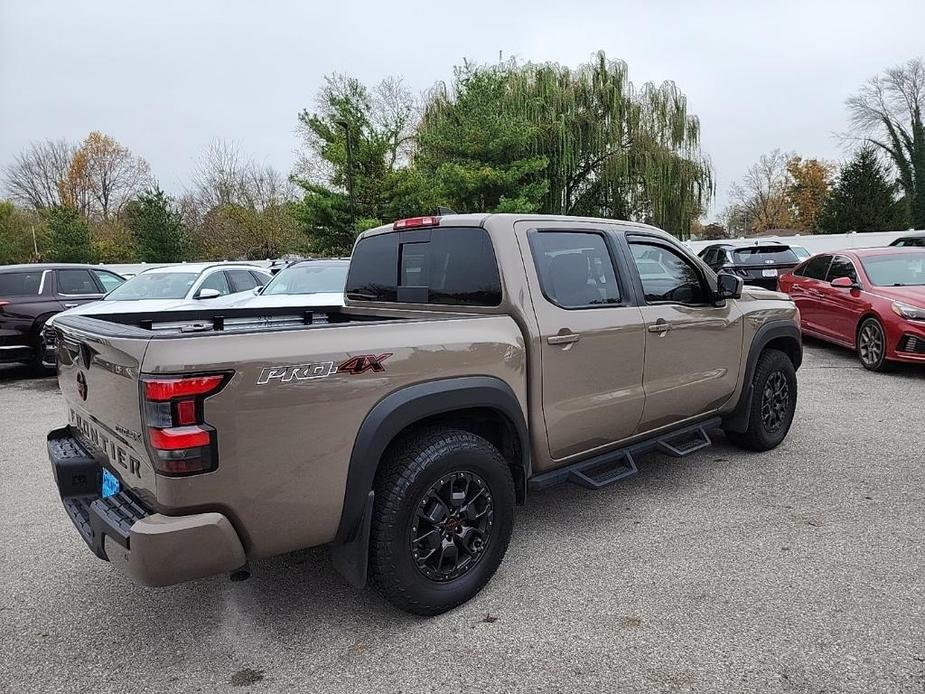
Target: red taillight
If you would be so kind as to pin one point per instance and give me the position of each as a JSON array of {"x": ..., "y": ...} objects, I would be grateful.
[
  {"x": 416, "y": 222},
  {"x": 180, "y": 441},
  {"x": 178, "y": 438},
  {"x": 160, "y": 389}
]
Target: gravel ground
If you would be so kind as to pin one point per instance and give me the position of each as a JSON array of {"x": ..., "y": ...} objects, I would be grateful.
[{"x": 798, "y": 570}]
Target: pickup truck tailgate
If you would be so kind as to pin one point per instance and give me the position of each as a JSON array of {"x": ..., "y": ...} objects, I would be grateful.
[{"x": 98, "y": 373}]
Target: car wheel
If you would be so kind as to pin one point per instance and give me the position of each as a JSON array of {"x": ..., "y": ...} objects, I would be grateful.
[
  {"x": 774, "y": 401},
  {"x": 871, "y": 345},
  {"x": 442, "y": 519}
]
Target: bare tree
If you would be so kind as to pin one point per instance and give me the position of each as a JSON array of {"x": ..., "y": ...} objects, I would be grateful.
[
  {"x": 35, "y": 177},
  {"x": 224, "y": 176},
  {"x": 762, "y": 195},
  {"x": 103, "y": 176},
  {"x": 887, "y": 112}
]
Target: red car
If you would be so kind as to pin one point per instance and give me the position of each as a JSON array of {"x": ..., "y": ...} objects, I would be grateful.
[{"x": 872, "y": 300}]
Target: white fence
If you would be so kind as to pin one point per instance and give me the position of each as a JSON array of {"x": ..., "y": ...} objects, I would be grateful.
[{"x": 817, "y": 243}]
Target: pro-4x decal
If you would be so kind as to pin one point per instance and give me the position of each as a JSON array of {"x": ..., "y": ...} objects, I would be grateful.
[{"x": 354, "y": 366}]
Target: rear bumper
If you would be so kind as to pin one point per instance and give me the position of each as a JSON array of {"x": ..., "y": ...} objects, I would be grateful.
[{"x": 154, "y": 549}]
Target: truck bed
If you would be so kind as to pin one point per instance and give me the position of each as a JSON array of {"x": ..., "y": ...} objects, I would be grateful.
[{"x": 298, "y": 387}]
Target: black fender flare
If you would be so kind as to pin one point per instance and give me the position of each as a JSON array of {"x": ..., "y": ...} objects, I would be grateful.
[
  {"x": 788, "y": 330},
  {"x": 382, "y": 424}
]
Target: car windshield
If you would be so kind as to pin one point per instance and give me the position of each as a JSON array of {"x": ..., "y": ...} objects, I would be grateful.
[
  {"x": 765, "y": 255},
  {"x": 900, "y": 270},
  {"x": 154, "y": 285},
  {"x": 309, "y": 278}
]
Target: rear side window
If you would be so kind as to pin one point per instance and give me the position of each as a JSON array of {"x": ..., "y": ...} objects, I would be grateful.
[
  {"x": 765, "y": 256},
  {"x": 260, "y": 278},
  {"x": 76, "y": 282},
  {"x": 815, "y": 268},
  {"x": 453, "y": 266},
  {"x": 242, "y": 280},
  {"x": 20, "y": 283},
  {"x": 575, "y": 269}
]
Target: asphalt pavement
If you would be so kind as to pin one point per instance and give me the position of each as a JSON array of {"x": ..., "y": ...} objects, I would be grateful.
[{"x": 798, "y": 570}]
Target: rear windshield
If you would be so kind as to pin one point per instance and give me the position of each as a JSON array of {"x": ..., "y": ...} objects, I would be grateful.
[
  {"x": 20, "y": 283},
  {"x": 905, "y": 270},
  {"x": 445, "y": 265},
  {"x": 309, "y": 278},
  {"x": 764, "y": 255},
  {"x": 154, "y": 285}
]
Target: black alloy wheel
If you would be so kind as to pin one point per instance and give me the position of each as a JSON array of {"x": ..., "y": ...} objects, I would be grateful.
[{"x": 452, "y": 526}]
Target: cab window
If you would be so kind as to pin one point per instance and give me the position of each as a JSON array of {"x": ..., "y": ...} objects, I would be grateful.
[
  {"x": 76, "y": 282},
  {"x": 666, "y": 275},
  {"x": 575, "y": 269}
]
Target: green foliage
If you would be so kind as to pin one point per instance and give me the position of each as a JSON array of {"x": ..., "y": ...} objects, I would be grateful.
[
  {"x": 69, "y": 239},
  {"x": 237, "y": 232},
  {"x": 480, "y": 155},
  {"x": 353, "y": 173},
  {"x": 614, "y": 150},
  {"x": 157, "y": 228},
  {"x": 16, "y": 229},
  {"x": 863, "y": 199}
]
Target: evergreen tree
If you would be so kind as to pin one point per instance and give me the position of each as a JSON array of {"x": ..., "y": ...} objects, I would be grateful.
[
  {"x": 69, "y": 239},
  {"x": 157, "y": 228},
  {"x": 863, "y": 199}
]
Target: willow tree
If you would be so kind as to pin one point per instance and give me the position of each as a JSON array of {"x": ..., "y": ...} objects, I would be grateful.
[{"x": 613, "y": 150}]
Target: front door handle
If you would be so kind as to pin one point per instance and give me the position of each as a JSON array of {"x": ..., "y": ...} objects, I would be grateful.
[
  {"x": 660, "y": 326},
  {"x": 70, "y": 305},
  {"x": 564, "y": 338}
]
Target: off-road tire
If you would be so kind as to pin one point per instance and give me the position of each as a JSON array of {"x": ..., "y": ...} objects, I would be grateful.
[
  {"x": 413, "y": 465},
  {"x": 774, "y": 367}
]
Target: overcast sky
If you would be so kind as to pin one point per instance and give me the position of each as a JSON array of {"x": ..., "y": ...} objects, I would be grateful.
[{"x": 167, "y": 77}]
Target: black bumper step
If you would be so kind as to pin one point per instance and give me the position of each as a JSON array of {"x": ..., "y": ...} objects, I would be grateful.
[
  {"x": 613, "y": 466},
  {"x": 79, "y": 480}
]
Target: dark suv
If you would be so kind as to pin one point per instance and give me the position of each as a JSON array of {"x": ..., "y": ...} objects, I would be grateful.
[
  {"x": 30, "y": 294},
  {"x": 758, "y": 264}
]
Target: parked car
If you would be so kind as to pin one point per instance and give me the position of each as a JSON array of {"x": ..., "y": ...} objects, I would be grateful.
[
  {"x": 304, "y": 283},
  {"x": 31, "y": 294},
  {"x": 168, "y": 288},
  {"x": 477, "y": 357},
  {"x": 871, "y": 300},
  {"x": 800, "y": 252},
  {"x": 758, "y": 263},
  {"x": 915, "y": 239}
]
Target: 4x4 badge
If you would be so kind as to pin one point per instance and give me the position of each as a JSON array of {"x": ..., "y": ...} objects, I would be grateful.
[{"x": 321, "y": 369}]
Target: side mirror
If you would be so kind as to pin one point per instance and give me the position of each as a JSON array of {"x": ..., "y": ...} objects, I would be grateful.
[
  {"x": 208, "y": 294},
  {"x": 728, "y": 286},
  {"x": 845, "y": 283}
]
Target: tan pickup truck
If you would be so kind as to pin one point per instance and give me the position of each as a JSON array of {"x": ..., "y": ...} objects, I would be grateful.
[{"x": 478, "y": 357}]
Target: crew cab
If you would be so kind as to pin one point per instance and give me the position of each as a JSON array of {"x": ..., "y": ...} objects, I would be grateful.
[{"x": 477, "y": 358}]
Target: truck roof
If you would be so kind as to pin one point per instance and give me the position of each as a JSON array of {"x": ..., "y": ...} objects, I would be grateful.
[{"x": 480, "y": 219}]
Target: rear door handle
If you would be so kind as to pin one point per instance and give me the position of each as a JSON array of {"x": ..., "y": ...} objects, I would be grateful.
[
  {"x": 563, "y": 338},
  {"x": 659, "y": 326},
  {"x": 70, "y": 305}
]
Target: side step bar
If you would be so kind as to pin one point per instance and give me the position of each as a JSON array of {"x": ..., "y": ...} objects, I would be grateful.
[{"x": 607, "y": 468}]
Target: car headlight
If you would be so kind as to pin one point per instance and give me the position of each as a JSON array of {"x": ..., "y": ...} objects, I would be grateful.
[{"x": 908, "y": 312}]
